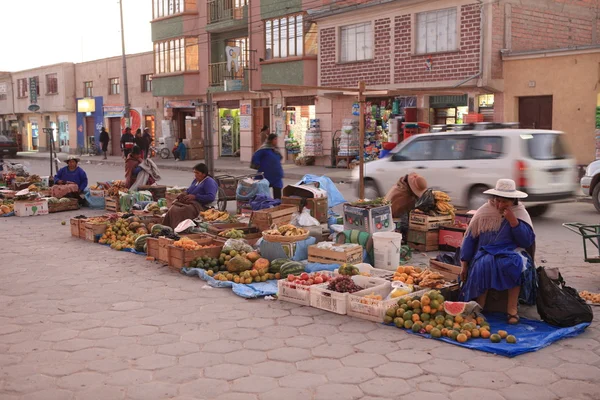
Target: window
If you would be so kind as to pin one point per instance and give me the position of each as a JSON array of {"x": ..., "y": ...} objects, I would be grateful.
[
  {"x": 22, "y": 87},
  {"x": 176, "y": 55},
  {"x": 51, "y": 84},
  {"x": 284, "y": 37},
  {"x": 451, "y": 148},
  {"x": 485, "y": 148},
  {"x": 419, "y": 150},
  {"x": 147, "y": 83},
  {"x": 114, "y": 86},
  {"x": 436, "y": 31},
  {"x": 163, "y": 8},
  {"x": 356, "y": 42},
  {"x": 2, "y": 96},
  {"x": 546, "y": 146},
  {"x": 88, "y": 89}
]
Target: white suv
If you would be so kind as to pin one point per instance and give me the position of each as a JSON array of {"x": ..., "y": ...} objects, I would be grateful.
[{"x": 464, "y": 164}]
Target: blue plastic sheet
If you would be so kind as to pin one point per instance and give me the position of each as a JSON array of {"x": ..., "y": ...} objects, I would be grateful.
[
  {"x": 531, "y": 336},
  {"x": 10, "y": 214},
  {"x": 315, "y": 267},
  {"x": 247, "y": 291},
  {"x": 95, "y": 203},
  {"x": 334, "y": 196}
]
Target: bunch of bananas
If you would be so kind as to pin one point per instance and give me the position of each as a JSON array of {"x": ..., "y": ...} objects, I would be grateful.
[
  {"x": 215, "y": 215},
  {"x": 287, "y": 230},
  {"x": 442, "y": 203}
]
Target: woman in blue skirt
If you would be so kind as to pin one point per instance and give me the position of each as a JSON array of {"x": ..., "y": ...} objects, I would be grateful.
[{"x": 494, "y": 251}]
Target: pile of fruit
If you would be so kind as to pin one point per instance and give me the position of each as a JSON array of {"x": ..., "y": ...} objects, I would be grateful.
[
  {"x": 381, "y": 201},
  {"x": 406, "y": 274},
  {"x": 286, "y": 230},
  {"x": 306, "y": 279},
  {"x": 188, "y": 244},
  {"x": 153, "y": 208},
  {"x": 97, "y": 220},
  {"x": 213, "y": 215},
  {"x": 118, "y": 186},
  {"x": 6, "y": 206},
  {"x": 208, "y": 264},
  {"x": 247, "y": 268},
  {"x": 232, "y": 234},
  {"x": 442, "y": 203},
  {"x": 416, "y": 276},
  {"x": 349, "y": 270},
  {"x": 123, "y": 234},
  {"x": 370, "y": 297},
  {"x": 431, "y": 314},
  {"x": 343, "y": 284},
  {"x": 591, "y": 297}
]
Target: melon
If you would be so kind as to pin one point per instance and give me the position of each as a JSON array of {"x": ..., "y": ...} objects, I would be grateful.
[{"x": 454, "y": 307}]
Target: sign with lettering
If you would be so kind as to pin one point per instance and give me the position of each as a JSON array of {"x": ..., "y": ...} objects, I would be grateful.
[{"x": 32, "y": 90}]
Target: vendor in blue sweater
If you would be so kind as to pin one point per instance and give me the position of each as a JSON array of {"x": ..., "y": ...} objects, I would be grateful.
[
  {"x": 72, "y": 173},
  {"x": 268, "y": 161}
]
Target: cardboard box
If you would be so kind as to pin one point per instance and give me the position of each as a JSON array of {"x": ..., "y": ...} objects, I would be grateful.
[
  {"x": 309, "y": 196},
  {"x": 450, "y": 238},
  {"x": 370, "y": 220},
  {"x": 31, "y": 208},
  {"x": 423, "y": 222}
]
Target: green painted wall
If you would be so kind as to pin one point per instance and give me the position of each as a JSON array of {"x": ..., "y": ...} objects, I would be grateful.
[
  {"x": 166, "y": 29},
  {"x": 278, "y": 8},
  {"x": 168, "y": 86},
  {"x": 291, "y": 73},
  {"x": 217, "y": 43}
]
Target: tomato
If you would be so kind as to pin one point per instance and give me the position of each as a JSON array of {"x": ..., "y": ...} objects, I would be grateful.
[
  {"x": 291, "y": 278},
  {"x": 325, "y": 278},
  {"x": 304, "y": 276},
  {"x": 310, "y": 282},
  {"x": 318, "y": 280}
]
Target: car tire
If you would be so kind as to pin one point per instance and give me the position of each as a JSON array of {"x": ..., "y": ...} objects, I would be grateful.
[
  {"x": 476, "y": 197},
  {"x": 538, "y": 211},
  {"x": 371, "y": 190},
  {"x": 596, "y": 197}
]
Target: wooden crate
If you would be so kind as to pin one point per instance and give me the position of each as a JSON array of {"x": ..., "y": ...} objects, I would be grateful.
[
  {"x": 449, "y": 271},
  {"x": 111, "y": 204},
  {"x": 280, "y": 215},
  {"x": 82, "y": 223},
  {"x": 73, "y": 204},
  {"x": 75, "y": 227},
  {"x": 326, "y": 256},
  {"x": 424, "y": 222},
  {"x": 92, "y": 230},
  {"x": 179, "y": 258},
  {"x": 164, "y": 244},
  {"x": 423, "y": 241},
  {"x": 152, "y": 247}
]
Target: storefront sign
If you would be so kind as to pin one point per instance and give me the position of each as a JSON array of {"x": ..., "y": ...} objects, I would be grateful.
[
  {"x": 246, "y": 109},
  {"x": 87, "y": 105},
  {"x": 233, "y": 85},
  {"x": 113, "y": 111},
  {"x": 32, "y": 91},
  {"x": 179, "y": 104}
]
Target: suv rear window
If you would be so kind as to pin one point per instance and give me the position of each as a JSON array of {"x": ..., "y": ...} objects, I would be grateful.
[{"x": 546, "y": 146}]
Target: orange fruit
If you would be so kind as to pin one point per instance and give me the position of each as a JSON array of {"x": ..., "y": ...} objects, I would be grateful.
[
  {"x": 426, "y": 309},
  {"x": 475, "y": 333},
  {"x": 416, "y": 317},
  {"x": 425, "y": 300},
  {"x": 459, "y": 319},
  {"x": 503, "y": 334},
  {"x": 485, "y": 333},
  {"x": 444, "y": 331},
  {"x": 456, "y": 325},
  {"x": 429, "y": 328},
  {"x": 480, "y": 320},
  {"x": 461, "y": 338}
]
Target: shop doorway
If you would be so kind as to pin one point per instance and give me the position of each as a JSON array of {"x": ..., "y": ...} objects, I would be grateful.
[
  {"x": 35, "y": 136},
  {"x": 114, "y": 127},
  {"x": 535, "y": 112},
  {"x": 150, "y": 124},
  {"x": 90, "y": 129},
  {"x": 262, "y": 117},
  {"x": 229, "y": 128},
  {"x": 179, "y": 116}
]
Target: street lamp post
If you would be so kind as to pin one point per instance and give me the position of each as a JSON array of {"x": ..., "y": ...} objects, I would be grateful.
[{"x": 126, "y": 113}]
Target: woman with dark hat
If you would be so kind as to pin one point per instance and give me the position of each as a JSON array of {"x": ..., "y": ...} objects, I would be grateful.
[
  {"x": 132, "y": 166},
  {"x": 72, "y": 173}
]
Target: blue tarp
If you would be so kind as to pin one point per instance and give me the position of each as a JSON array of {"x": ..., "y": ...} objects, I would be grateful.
[
  {"x": 315, "y": 267},
  {"x": 531, "y": 336},
  {"x": 334, "y": 196},
  {"x": 247, "y": 291}
]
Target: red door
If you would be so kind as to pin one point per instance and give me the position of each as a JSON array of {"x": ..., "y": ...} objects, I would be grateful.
[{"x": 115, "y": 135}]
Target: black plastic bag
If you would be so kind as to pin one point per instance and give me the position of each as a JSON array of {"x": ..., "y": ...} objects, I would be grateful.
[
  {"x": 426, "y": 202},
  {"x": 559, "y": 304}
]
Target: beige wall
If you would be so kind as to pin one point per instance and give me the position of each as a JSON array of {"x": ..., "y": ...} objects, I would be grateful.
[
  {"x": 64, "y": 100},
  {"x": 6, "y": 105},
  {"x": 572, "y": 81}
]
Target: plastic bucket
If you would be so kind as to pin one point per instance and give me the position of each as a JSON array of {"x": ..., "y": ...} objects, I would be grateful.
[{"x": 387, "y": 247}]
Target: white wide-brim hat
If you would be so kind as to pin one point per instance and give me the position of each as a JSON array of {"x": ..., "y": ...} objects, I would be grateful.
[{"x": 507, "y": 189}]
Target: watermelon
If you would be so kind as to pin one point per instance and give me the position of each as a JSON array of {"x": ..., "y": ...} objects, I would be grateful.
[
  {"x": 157, "y": 228},
  {"x": 292, "y": 267},
  {"x": 140, "y": 242},
  {"x": 455, "y": 307},
  {"x": 276, "y": 265}
]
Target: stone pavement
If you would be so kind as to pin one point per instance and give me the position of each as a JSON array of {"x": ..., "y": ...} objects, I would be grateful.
[
  {"x": 231, "y": 166},
  {"x": 80, "y": 321}
]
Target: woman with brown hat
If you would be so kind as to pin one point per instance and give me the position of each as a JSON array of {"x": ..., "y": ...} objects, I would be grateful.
[{"x": 404, "y": 195}]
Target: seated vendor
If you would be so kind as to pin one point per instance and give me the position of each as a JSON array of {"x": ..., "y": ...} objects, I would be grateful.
[
  {"x": 496, "y": 251},
  {"x": 132, "y": 166},
  {"x": 200, "y": 196},
  {"x": 404, "y": 195},
  {"x": 72, "y": 173}
]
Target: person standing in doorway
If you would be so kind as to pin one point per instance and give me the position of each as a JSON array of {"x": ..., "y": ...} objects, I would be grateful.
[
  {"x": 264, "y": 133},
  {"x": 127, "y": 142},
  {"x": 104, "y": 139},
  {"x": 268, "y": 161},
  {"x": 147, "y": 142}
]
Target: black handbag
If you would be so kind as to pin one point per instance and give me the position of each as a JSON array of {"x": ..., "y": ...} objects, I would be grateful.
[{"x": 559, "y": 304}]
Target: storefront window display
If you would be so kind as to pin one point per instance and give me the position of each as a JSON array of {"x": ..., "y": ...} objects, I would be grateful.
[
  {"x": 298, "y": 123},
  {"x": 63, "y": 132},
  {"x": 35, "y": 140},
  {"x": 230, "y": 131}
]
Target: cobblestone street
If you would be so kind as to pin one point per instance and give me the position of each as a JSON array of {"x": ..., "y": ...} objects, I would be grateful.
[{"x": 80, "y": 321}]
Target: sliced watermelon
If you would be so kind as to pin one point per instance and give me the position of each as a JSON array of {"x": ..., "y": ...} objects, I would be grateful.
[{"x": 455, "y": 307}]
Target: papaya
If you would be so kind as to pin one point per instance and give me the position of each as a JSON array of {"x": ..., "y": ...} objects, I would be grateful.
[
  {"x": 238, "y": 264},
  {"x": 134, "y": 226},
  {"x": 261, "y": 263},
  {"x": 253, "y": 256}
]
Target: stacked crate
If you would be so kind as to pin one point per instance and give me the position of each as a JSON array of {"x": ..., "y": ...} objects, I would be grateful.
[{"x": 424, "y": 230}]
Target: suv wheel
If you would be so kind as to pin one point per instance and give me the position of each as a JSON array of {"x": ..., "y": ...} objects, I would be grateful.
[
  {"x": 371, "y": 190},
  {"x": 476, "y": 197},
  {"x": 596, "y": 197},
  {"x": 538, "y": 211}
]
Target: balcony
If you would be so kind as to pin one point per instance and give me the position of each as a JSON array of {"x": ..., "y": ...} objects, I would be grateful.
[
  {"x": 221, "y": 80},
  {"x": 226, "y": 15}
]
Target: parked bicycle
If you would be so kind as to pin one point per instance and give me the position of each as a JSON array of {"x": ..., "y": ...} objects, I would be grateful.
[
  {"x": 163, "y": 152},
  {"x": 92, "y": 150}
]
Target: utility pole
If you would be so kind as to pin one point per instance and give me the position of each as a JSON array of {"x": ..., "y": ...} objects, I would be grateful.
[
  {"x": 126, "y": 113},
  {"x": 361, "y": 141}
]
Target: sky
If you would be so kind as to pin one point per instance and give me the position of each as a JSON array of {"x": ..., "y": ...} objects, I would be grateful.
[{"x": 34, "y": 33}]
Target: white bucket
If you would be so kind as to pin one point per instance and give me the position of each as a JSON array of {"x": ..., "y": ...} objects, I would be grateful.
[
  {"x": 387, "y": 249},
  {"x": 45, "y": 181}
]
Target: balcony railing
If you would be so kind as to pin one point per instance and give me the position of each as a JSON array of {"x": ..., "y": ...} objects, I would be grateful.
[
  {"x": 225, "y": 10},
  {"x": 218, "y": 74}
]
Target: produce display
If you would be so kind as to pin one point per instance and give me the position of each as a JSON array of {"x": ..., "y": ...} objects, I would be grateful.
[
  {"x": 343, "y": 284},
  {"x": 232, "y": 234},
  {"x": 6, "y": 206},
  {"x": 430, "y": 314},
  {"x": 33, "y": 188},
  {"x": 423, "y": 278},
  {"x": 590, "y": 297},
  {"x": 442, "y": 203},
  {"x": 291, "y": 268},
  {"x": 381, "y": 201},
  {"x": 239, "y": 268},
  {"x": 123, "y": 233},
  {"x": 118, "y": 186},
  {"x": 286, "y": 230},
  {"x": 153, "y": 208},
  {"x": 213, "y": 215},
  {"x": 189, "y": 244},
  {"x": 349, "y": 270},
  {"x": 305, "y": 279},
  {"x": 208, "y": 264},
  {"x": 368, "y": 298},
  {"x": 276, "y": 264}
]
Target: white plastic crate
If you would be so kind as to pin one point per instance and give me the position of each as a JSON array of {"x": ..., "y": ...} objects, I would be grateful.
[
  {"x": 293, "y": 293},
  {"x": 371, "y": 309},
  {"x": 329, "y": 300}
]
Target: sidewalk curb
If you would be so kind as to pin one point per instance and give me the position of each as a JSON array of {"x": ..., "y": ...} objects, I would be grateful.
[{"x": 233, "y": 171}]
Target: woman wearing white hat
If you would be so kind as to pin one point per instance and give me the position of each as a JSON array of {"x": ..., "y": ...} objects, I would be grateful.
[
  {"x": 493, "y": 254},
  {"x": 72, "y": 173}
]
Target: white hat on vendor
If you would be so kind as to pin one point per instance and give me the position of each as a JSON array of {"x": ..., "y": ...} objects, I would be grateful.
[
  {"x": 73, "y": 158},
  {"x": 506, "y": 188}
]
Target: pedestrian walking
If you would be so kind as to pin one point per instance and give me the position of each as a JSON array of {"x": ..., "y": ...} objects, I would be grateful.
[
  {"x": 147, "y": 142},
  {"x": 104, "y": 139},
  {"x": 127, "y": 142},
  {"x": 267, "y": 160}
]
